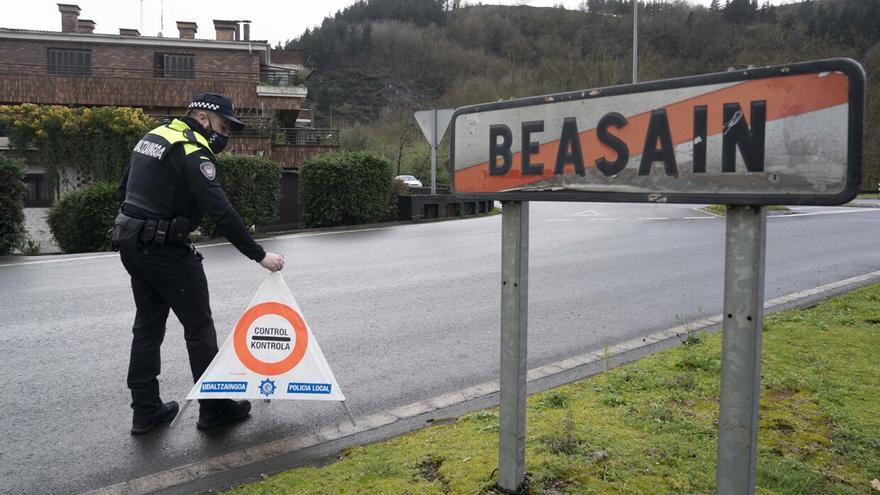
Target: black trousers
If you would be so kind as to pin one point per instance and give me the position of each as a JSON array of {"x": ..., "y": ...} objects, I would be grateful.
[{"x": 166, "y": 278}]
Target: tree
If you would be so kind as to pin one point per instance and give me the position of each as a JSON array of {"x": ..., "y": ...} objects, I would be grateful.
[
  {"x": 367, "y": 37},
  {"x": 740, "y": 11}
]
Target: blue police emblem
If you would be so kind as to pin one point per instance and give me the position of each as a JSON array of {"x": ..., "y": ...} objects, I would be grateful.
[
  {"x": 267, "y": 387},
  {"x": 208, "y": 170}
]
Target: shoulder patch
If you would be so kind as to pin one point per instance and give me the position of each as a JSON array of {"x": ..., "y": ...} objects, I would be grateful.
[{"x": 208, "y": 170}]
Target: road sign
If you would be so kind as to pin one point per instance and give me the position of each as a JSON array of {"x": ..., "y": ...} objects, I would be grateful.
[
  {"x": 428, "y": 124},
  {"x": 433, "y": 124},
  {"x": 788, "y": 134},
  {"x": 271, "y": 354},
  {"x": 776, "y": 135}
]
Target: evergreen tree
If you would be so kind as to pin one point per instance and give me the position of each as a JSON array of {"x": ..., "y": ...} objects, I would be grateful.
[
  {"x": 740, "y": 11},
  {"x": 367, "y": 37}
]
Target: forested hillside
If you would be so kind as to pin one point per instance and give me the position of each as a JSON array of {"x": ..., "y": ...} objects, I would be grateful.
[{"x": 379, "y": 60}]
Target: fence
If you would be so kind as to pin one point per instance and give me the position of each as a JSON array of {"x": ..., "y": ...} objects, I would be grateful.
[{"x": 298, "y": 136}]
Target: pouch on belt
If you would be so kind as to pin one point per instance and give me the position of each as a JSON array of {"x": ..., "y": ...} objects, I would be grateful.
[{"x": 125, "y": 231}]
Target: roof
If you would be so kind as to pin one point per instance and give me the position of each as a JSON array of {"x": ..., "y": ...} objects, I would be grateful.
[{"x": 97, "y": 38}]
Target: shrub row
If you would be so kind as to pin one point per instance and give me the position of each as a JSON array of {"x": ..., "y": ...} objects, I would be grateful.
[
  {"x": 81, "y": 219},
  {"x": 346, "y": 188}
]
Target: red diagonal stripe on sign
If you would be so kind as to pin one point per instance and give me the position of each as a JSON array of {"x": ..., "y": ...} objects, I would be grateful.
[{"x": 786, "y": 96}]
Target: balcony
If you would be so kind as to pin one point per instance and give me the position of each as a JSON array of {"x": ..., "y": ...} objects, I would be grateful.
[
  {"x": 298, "y": 136},
  {"x": 281, "y": 82},
  {"x": 294, "y": 146}
]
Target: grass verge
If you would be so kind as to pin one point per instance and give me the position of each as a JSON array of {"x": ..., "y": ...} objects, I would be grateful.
[
  {"x": 721, "y": 210},
  {"x": 650, "y": 427}
]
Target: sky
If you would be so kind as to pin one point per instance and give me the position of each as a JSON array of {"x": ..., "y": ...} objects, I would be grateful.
[{"x": 273, "y": 20}]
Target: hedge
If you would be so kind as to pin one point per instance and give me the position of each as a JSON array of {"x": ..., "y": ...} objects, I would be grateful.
[
  {"x": 81, "y": 219},
  {"x": 253, "y": 186},
  {"x": 346, "y": 188},
  {"x": 12, "y": 191}
]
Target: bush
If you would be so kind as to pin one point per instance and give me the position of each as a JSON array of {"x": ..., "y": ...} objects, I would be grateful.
[
  {"x": 253, "y": 186},
  {"x": 81, "y": 219},
  {"x": 346, "y": 188},
  {"x": 12, "y": 190}
]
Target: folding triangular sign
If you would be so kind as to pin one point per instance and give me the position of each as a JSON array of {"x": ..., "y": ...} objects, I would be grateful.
[{"x": 271, "y": 354}]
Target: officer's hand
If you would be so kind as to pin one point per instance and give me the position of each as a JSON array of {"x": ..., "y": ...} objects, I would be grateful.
[{"x": 272, "y": 262}]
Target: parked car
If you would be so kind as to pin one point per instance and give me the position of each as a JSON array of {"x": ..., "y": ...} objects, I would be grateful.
[{"x": 409, "y": 180}]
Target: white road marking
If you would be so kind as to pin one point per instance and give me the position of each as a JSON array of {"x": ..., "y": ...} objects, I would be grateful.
[
  {"x": 62, "y": 260},
  {"x": 216, "y": 465},
  {"x": 292, "y": 236},
  {"x": 198, "y": 246},
  {"x": 706, "y": 212},
  {"x": 832, "y": 212},
  {"x": 585, "y": 213}
]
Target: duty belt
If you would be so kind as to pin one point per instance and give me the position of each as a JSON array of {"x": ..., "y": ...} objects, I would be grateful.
[{"x": 157, "y": 232}]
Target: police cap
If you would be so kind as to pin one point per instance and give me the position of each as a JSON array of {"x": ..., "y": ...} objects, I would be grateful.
[{"x": 218, "y": 104}]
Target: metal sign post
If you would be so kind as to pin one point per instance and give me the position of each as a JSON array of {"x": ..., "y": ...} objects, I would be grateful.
[
  {"x": 514, "y": 333},
  {"x": 635, "y": 42},
  {"x": 434, "y": 152},
  {"x": 741, "y": 349}
]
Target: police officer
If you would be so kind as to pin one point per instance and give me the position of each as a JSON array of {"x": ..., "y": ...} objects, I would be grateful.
[{"x": 170, "y": 183}]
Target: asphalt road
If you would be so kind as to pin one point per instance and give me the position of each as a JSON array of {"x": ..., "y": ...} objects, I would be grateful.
[{"x": 402, "y": 313}]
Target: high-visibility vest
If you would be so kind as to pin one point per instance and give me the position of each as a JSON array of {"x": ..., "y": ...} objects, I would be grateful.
[{"x": 151, "y": 185}]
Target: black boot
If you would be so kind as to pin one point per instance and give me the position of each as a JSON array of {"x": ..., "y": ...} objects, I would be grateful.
[
  {"x": 166, "y": 413},
  {"x": 222, "y": 411}
]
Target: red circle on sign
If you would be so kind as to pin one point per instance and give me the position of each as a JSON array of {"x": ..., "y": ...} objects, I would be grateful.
[{"x": 262, "y": 367}]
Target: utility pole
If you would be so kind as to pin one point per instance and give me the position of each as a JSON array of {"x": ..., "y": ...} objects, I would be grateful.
[{"x": 635, "y": 41}]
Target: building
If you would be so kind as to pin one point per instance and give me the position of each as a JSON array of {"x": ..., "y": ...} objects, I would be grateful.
[{"x": 78, "y": 67}]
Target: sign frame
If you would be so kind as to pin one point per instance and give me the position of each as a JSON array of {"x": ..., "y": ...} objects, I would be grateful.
[{"x": 855, "y": 131}]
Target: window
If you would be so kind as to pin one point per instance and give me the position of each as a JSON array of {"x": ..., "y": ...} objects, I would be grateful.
[
  {"x": 70, "y": 61},
  {"x": 175, "y": 66},
  {"x": 37, "y": 192}
]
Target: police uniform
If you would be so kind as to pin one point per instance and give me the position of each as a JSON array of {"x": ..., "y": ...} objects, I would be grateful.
[{"x": 170, "y": 183}]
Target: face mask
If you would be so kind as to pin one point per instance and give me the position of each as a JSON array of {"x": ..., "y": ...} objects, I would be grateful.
[{"x": 216, "y": 140}]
